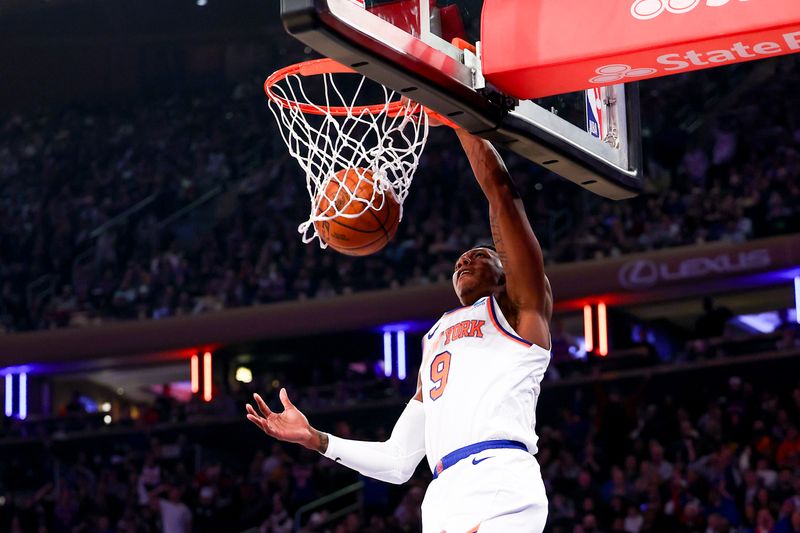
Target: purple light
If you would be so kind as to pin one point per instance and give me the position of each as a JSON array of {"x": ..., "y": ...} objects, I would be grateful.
[
  {"x": 409, "y": 326},
  {"x": 797, "y": 299},
  {"x": 401, "y": 354},
  {"x": 9, "y": 395},
  {"x": 23, "y": 396},
  {"x": 387, "y": 353},
  {"x": 759, "y": 322}
]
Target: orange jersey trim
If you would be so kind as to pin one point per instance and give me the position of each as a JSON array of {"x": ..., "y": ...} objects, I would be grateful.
[{"x": 501, "y": 329}]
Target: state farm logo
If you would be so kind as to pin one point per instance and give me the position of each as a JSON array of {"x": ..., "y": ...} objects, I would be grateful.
[
  {"x": 650, "y": 9},
  {"x": 646, "y": 273},
  {"x": 612, "y": 73},
  {"x": 695, "y": 59}
]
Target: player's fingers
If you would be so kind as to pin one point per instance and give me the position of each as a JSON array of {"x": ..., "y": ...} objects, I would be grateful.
[
  {"x": 258, "y": 421},
  {"x": 287, "y": 404},
  {"x": 262, "y": 405},
  {"x": 262, "y": 423}
]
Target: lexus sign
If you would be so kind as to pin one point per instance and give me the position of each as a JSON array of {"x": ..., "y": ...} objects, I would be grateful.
[{"x": 642, "y": 274}]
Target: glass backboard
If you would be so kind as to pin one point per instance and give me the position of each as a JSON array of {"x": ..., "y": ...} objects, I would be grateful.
[{"x": 591, "y": 138}]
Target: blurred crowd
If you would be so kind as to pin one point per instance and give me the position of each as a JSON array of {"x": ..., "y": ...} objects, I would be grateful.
[
  {"x": 729, "y": 461},
  {"x": 190, "y": 204},
  {"x": 636, "y": 456}
]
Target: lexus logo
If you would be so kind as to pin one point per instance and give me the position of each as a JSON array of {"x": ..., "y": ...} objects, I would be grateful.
[
  {"x": 645, "y": 273},
  {"x": 636, "y": 275}
]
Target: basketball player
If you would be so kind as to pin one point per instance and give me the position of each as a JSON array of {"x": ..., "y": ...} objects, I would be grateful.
[{"x": 473, "y": 414}]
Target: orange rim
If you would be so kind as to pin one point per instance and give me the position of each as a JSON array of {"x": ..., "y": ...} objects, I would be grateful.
[{"x": 317, "y": 67}]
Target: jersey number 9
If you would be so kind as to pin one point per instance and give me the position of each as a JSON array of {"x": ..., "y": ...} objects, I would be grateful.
[{"x": 440, "y": 369}]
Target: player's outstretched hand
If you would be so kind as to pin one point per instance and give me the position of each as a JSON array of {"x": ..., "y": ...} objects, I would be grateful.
[{"x": 291, "y": 425}]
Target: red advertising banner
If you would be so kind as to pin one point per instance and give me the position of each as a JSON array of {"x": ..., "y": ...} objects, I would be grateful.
[{"x": 535, "y": 48}]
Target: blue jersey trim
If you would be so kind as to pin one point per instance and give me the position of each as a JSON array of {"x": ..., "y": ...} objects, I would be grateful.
[
  {"x": 480, "y": 302},
  {"x": 476, "y": 304},
  {"x": 462, "y": 453}
]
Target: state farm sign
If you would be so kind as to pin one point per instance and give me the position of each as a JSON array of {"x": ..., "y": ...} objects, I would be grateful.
[
  {"x": 647, "y": 273},
  {"x": 694, "y": 59},
  {"x": 528, "y": 51}
]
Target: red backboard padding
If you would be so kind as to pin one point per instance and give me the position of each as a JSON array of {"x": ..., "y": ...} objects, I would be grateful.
[
  {"x": 403, "y": 14},
  {"x": 452, "y": 23},
  {"x": 535, "y": 48}
]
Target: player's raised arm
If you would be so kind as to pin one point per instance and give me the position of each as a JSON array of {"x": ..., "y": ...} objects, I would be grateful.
[
  {"x": 519, "y": 251},
  {"x": 393, "y": 461}
]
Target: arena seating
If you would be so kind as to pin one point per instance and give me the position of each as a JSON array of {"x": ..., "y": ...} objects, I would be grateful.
[
  {"x": 188, "y": 204},
  {"x": 619, "y": 452}
]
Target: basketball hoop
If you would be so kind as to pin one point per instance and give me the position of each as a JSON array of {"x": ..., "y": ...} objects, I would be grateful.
[{"x": 334, "y": 131}]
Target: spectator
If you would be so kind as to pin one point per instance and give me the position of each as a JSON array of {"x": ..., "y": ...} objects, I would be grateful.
[{"x": 174, "y": 514}]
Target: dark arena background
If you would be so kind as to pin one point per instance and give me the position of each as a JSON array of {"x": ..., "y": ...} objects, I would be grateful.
[{"x": 152, "y": 279}]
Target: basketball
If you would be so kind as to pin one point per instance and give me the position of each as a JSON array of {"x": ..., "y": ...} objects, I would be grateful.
[{"x": 366, "y": 233}]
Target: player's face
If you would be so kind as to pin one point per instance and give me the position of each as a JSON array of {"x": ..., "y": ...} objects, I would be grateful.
[{"x": 476, "y": 274}]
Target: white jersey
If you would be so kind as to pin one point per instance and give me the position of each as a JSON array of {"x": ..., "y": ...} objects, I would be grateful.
[{"x": 480, "y": 381}]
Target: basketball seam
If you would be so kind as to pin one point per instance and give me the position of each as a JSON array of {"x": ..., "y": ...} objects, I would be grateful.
[
  {"x": 390, "y": 234},
  {"x": 335, "y": 220},
  {"x": 358, "y": 247},
  {"x": 381, "y": 224}
]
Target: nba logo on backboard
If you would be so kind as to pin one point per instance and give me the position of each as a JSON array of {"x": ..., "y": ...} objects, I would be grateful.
[{"x": 594, "y": 112}]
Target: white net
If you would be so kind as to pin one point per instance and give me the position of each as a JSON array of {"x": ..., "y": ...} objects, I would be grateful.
[{"x": 352, "y": 154}]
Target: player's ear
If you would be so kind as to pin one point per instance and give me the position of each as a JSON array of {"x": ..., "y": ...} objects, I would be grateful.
[{"x": 501, "y": 279}]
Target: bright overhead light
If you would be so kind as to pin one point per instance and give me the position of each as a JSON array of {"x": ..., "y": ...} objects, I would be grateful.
[
  {"x": 201, "y": 3},
  {"x": 797, "y": 299},
  {"x": 387, "y": 353},
  {"x": 105, "y": 407},
  {"x": 23, "y": 396},
  {"x": 401, "y": 354},
  {"x": 244, "y": 375},
  {"x": 107, "y": 419}
]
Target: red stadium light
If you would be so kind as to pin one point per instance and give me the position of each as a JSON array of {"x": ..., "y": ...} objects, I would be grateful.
[
  {"x": 195, "y": 374},
  {"x": 587, "y": 327},
  {"x": 602, "y": 326},
  {"x": 207, "y": 376}
]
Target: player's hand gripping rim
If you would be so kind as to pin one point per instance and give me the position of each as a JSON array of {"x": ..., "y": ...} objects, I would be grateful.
[{"x": 434, "y": 119}]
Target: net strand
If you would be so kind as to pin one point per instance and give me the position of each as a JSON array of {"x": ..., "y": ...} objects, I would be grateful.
[{"x": 383, "y": 147}]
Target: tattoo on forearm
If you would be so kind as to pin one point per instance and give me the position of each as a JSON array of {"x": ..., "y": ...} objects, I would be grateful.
[
  {"x": 323, "y": 442},
  {"x": 497, "y": 235},
  {"x": 487, "y": 162}
]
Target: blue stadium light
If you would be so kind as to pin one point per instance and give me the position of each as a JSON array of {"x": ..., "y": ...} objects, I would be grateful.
[
  {"x": 9, "y": 395},
  {"x": 23, "y": 396},
  {"x": 401, "y": 354},
  {"x": 387, "y": 353},
  {"x": 409, "y": 326},
  {"x": 797, "y": 299},
  {"x": 759, "y": 322}
]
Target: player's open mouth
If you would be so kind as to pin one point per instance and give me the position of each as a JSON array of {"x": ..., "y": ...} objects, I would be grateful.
[{"x": 460, "y": 274}]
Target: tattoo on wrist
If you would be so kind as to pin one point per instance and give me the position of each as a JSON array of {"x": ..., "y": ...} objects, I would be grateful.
[{"x": 323, "y": 442}]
